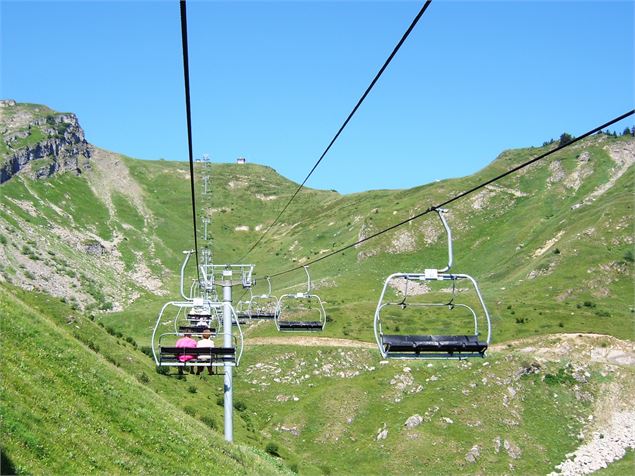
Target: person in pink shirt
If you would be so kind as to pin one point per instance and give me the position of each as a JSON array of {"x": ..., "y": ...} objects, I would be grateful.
[{"x": 188, "y": 343}]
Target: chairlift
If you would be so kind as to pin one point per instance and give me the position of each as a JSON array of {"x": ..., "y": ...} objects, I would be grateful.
[
  {"x": 166, "y": 354},
  {"x": 264, "y": 306},
  {"x": 292, "y": 307},
  {"x": 243, "y": 309},
  {"x": 430, "y": 346}
]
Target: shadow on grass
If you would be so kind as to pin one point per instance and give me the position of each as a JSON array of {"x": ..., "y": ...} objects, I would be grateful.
[{"x": 6, "y": 465}]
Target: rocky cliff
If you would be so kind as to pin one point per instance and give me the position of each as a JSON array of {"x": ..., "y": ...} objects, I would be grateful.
[{"x": 40, "y": 141}]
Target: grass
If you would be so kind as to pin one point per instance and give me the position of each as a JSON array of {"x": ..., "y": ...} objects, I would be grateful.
[
  {"x": 620, "y": 467},
  {"x": 527, "y": 292},
  {"x": 67, "y": 408}
]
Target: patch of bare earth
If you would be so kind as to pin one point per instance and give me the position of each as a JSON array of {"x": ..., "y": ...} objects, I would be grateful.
[
  {"x": 623, "y": 154},
  {"x": 610, "y": 429},
  {"x": 109, "y": 175},
  {"x": 309, "y": 342}
]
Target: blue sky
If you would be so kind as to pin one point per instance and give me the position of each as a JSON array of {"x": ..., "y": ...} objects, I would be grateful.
[{"x": 273, "y": 81}]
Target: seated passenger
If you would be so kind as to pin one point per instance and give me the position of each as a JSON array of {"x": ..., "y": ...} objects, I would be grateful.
[
  {"x": 188, "y": 343},
  {"x": 205, "y": 342}
]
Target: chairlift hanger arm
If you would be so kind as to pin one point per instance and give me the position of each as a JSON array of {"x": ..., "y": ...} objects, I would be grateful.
[
  {"x": 308, "y": 280},
  {"x": 187, "y": 254},
  {"x": 441, "y": 212}
]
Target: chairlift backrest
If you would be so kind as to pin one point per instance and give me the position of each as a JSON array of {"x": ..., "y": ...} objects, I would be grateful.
[{"x": 287, "y": 324}]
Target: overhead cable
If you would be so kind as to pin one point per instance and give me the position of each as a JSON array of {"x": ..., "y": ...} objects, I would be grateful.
[
  {"x": 460, "y": 195},
  {"x": 359, "y": 103},
  {"x": 186, "y": 77}
]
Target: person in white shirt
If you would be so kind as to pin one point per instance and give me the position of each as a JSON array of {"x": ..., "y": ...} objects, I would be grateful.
[{"x": 205, "y": 342}]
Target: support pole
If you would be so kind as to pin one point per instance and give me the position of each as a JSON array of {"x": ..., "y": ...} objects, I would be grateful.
[{"x": 227, "y": 342}]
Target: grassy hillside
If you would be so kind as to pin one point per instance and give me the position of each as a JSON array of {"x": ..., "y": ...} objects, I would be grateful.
[
  {"x": 77, "y": 400},
  {"x": 87, "y": 261},
  {"x": 72, "y": 386}
]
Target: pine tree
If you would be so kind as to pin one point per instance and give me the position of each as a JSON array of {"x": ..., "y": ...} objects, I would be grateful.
[{"x": 565, "y": 138}]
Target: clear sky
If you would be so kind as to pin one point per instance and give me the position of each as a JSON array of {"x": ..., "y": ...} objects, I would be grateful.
[{"x": 273, "y": 81}]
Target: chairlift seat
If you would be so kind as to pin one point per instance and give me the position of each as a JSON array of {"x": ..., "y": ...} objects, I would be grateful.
[
  {"x": 263, "y": 315},
  {"x": 203, "y": 356},
  {"x": 433, "y": 343},
  {"x": 196, "y": 329},
  {"x": 301, "y": 325}
]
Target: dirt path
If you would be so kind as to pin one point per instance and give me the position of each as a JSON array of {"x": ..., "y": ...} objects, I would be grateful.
[{"x": 309, "y": 342}]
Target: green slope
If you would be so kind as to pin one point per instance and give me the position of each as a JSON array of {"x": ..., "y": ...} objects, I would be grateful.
[
  {"x": 68, "y": 410},
  {"x": 545, "y": 263}
]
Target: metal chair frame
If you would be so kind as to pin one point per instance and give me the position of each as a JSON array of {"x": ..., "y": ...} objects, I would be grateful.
[
  {"x": 434, "y": 275},
  {"x": 318, "y": 325}
]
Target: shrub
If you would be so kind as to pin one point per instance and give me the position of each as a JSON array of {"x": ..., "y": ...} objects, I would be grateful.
[
  {"x": 628, "y": 257},
  {"x": 272, "y": 448},
  {"x": 191, "y": 411},
  {"x": 209, "y": 421},
  {"x": 143, "y": 378},
  {"x": 146, "y": 349},
  {"x": 3, "y": 239},
  {"x": 565, "y": 138},
  {"x": 588, "y": 304},
  {"x": 163, "y": 370},
  {"x": 240, "y": 406},
  {"x": 561, "y": 377}
]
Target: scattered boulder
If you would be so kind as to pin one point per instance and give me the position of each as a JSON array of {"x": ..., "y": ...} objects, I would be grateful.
[
  {"x": 512, "y": 450},
  {"x": 473, "y": 455},
  {"x": 382, "y": 433},
  {"x": 497, "y": 444},
  {"x": 413, "y": 421},
  {"x": 94, "y": 248},
  {"x": 527, "y": 369}
]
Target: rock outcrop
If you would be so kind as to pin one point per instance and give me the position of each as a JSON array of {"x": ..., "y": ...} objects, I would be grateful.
[{"x": 41, "y": 141}]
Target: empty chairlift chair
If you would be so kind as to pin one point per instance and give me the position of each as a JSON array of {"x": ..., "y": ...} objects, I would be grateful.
[
  {"x": 204, "y": 314},
  {"x": 243, "y": 309},
  {"x": 292, "y": 309},
  {"x": 264, "y": 306},
  {"x": 458, "y": 345}
]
